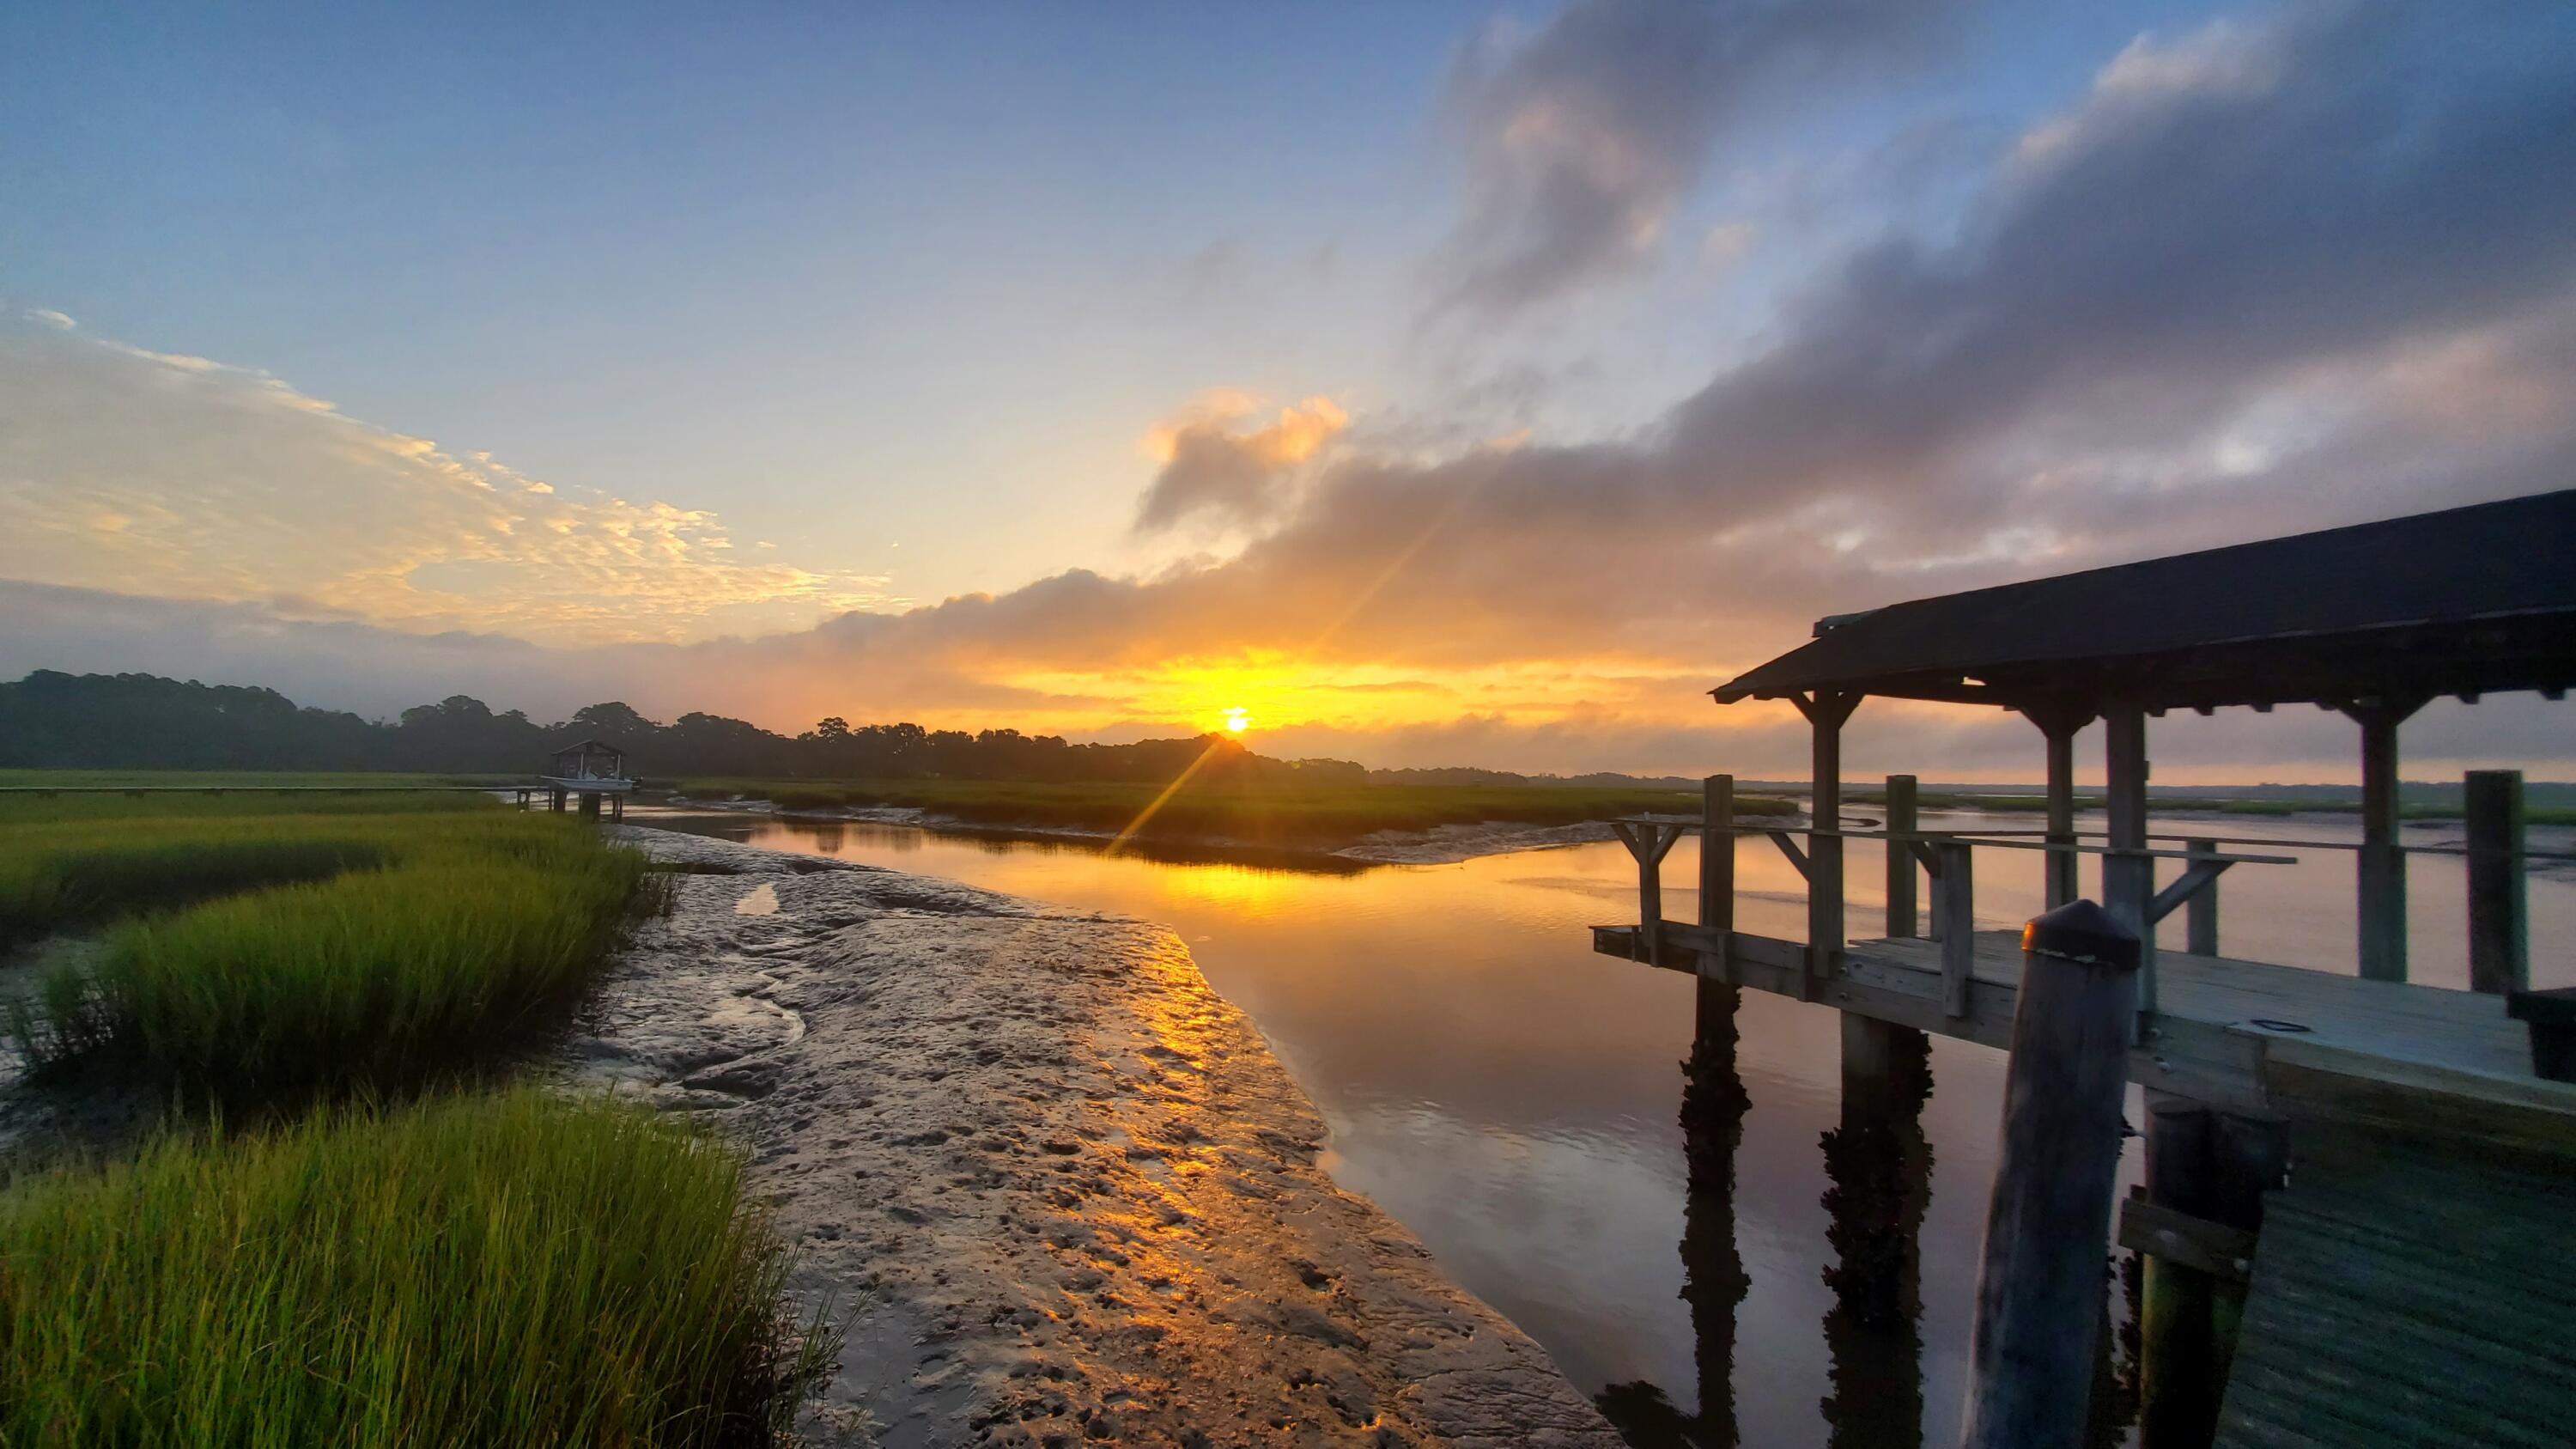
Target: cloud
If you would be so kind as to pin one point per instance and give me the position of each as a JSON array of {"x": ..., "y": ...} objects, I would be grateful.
[
  {"x": 1584, "y": 137},
  {"x": 129, "y": 469},
  {"x": 2254, "y": 280},
  {"x": 1217, "y": 472}
]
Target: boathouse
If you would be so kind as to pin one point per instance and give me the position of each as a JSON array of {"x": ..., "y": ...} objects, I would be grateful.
[
  {"x": 2358, "y": 1187},
  {"x": 593, "y": 770}
]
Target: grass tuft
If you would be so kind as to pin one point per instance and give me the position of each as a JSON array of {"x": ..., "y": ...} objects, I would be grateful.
[
  {"x": 474, "y": 928},
  {"x": 504, "y": 1269}
]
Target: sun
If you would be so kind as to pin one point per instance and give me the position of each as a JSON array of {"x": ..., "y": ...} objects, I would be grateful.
[{"x": 1236, "y": 721}]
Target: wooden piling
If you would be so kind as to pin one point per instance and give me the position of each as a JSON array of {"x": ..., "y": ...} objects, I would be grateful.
[
  {"x": 2380, "y": 867},
  {"x": 1901, "y": 867},
  {"x": 1956, "y": 911},
  {"x": 2200, "y": 913},
  {"x": 2178, "y": 1386},
  {"x": 2499, "y": 941},
  {"x": 2129, "y": 880},
  {"x": 2249, "y": 1155},
  {"x": 2040, "y": 1281},
  {"x": 2058, "y": 723},
  {"x": 1714, "y": 1015}
]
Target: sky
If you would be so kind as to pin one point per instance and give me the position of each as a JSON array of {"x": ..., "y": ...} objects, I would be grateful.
[{"x": 1434, "y": 384}]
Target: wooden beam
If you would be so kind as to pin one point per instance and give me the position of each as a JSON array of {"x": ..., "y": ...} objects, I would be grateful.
[
  {"x": 2499, "y": 933},
  {"x": 2380, "y": 866},
  {"x": 2216, "y": 1249},
  {"x": 2059, "y": 724},
  {"x": 2201, "y": 878},
  {"x": 2129, "y": 880},
  {"x": 1957, "y": 914},
  {"x": 1713, "y": 1014},
  {"x": 1826, "y": 712},
  {"x": 1901, "y": 912},
  {"x": 2200, "y": 916},
  {"x": 1789, "y": 847}
]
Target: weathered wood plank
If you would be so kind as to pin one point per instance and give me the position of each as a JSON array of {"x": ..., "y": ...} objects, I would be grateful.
[{"x": 2197, "y": 1243}]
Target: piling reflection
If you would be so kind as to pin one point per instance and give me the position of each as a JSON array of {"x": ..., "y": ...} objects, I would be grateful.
[
  {"x": 1880, "y": 1166},
  {"x": 1713, "y": 1277}
]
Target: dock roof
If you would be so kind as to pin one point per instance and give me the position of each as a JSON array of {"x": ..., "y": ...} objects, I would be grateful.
[{"x": 2464, "y": 601}]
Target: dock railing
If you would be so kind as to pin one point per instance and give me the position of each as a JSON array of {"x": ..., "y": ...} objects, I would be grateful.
[{"x": 2498, "y": 935}]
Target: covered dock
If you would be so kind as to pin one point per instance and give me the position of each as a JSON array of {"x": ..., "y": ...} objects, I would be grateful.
[{"x": 2250, "y": 1066}]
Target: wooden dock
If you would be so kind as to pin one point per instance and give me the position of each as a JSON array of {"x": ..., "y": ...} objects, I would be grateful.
[
  {"x": 2426, "y": 1154},
  {"x": 2228, "y": 1032}
]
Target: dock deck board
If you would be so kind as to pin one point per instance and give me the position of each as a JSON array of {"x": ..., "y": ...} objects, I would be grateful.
[{"x": 2406, "y": 1297}]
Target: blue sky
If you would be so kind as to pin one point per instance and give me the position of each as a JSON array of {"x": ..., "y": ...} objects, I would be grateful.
[{"x": 920, "y": 298}]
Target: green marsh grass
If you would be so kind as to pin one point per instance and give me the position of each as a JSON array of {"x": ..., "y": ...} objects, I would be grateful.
[
  {"x": 456, "y": 933},
  {"x": 75, "y": 859},
  {"x": 493, "y": 1269}
]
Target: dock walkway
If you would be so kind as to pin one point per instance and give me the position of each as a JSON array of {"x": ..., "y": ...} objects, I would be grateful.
[{"x": 2401, "y": 1297}]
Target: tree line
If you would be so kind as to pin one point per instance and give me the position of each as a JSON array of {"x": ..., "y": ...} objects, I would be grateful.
[{"x": 53, "y": 720}]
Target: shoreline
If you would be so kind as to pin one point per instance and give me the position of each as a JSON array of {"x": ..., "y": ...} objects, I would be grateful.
[
  {"x": 1067, "y": 1190},
  {"x": 1438, "y": 845}
]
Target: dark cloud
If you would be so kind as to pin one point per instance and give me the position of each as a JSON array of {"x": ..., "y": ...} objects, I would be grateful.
[{"x": 1583, "y": 137}]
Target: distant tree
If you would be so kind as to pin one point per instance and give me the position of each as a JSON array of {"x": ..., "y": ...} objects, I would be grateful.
[{"x": 53, "y": 720}]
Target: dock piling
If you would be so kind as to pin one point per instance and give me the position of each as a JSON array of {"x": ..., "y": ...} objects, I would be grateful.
[
  {"x": 2040, "y": 1281},
  {"x": 2178, "y": 1386},
  {"x": 2200, "y": 911},
  {"x": 1901, "y": 866},
  {"x": 2499, "y": 940}
]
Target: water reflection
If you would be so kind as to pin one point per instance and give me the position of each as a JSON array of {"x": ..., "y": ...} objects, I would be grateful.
[
  {"x": 1714, "y": 1282},
  {"x": 1880, "y": 1165},
  {"x": 1510, "y": 1097}
]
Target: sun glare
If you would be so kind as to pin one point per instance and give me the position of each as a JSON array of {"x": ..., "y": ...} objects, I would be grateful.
[{"x": 1236, "y": 721}]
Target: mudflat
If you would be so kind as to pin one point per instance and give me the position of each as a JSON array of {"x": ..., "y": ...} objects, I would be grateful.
[{"x": 1062, "y": 1190}]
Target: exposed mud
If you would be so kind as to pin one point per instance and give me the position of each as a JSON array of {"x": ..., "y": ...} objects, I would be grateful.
[{"x": 1066, "y": 1188}]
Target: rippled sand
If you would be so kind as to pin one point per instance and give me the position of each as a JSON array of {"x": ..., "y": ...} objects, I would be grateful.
[{"x": 1065, "y": 1188}]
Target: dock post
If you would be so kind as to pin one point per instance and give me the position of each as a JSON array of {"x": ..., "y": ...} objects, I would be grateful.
[
  {"x": 2249, "y": 1156},
  {"x": 1901, "y": 867},
  {"x": 2058, "y": 723},
  {"x": 1713, "y": 1107},
  {"x": 2178, "y": 1384},
  {"x": 589, "y": 805},
  {"x": 1717, "y": 994},
  {"x": 2128, "y": 876},
  {"x": 2499, "y": 940},
  {"x": 2200, "y": 913},
  {"x": 2380, "y": 874},
  {"x": 1826, "y": 711},
  {"x": 558, "y": 800},
  {"x": 2040, "y": 1280}
]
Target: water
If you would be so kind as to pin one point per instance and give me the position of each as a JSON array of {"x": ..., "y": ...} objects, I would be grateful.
[{"x": 1515, "y": 1099}]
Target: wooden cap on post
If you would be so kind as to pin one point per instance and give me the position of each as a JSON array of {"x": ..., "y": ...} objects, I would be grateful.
[{"x": 2084, "y": 932}]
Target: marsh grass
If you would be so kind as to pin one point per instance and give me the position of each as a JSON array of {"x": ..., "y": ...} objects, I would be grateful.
[
  {"x": 455, "y": 935},
  {"x": 497, "y": 1269},
  {"x": 71, "y": 860},
  {"x": 1284, "y": 815}
]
